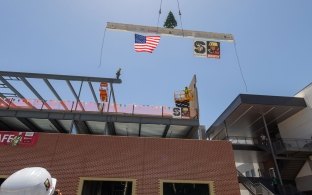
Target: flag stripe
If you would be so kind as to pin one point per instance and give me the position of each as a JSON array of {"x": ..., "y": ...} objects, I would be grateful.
[{"x": 145, "y": 43}]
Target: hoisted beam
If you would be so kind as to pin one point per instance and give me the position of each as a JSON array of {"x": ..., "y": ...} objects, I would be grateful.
[{"x": 171, "y": 32}]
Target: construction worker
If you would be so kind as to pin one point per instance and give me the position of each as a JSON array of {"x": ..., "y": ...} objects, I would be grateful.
[
  {"x": 118, "y": 73},
  {"x": 187, "y": 92},
  {"x": 30, "y": 181}
]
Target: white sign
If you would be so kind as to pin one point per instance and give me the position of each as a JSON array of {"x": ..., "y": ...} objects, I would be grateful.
[{"x": 176, "y": 112}]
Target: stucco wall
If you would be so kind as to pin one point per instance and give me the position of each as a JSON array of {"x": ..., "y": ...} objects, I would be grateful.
[{"x": 300, "y": 125}]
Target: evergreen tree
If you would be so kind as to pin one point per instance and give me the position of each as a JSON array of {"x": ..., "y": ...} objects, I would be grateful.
[{"x": 170, "y": 21}]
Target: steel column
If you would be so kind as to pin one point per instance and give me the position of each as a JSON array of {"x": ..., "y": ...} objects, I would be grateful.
[
  {"x": 272, "y": 150},
  {"x": 166, "y": 131}
]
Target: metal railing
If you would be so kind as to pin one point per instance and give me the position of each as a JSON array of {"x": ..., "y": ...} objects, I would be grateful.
[
  {"x": 243, "y": 140},
  {"x": 261, "y": 189},
  {"x": 253, "y": 188},
  {"x": 247, "y": 183},
  {"x": 73, "y": 106},
  {"x": 284, "y": 145}
]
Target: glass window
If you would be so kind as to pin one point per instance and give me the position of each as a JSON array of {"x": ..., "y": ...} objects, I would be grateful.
[
  {"x": 179, "y": 187},
  {"x": 97, "y": 186}
]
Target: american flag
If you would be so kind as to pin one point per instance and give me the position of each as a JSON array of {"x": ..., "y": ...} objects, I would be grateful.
[{"x": 145, "y": 43}]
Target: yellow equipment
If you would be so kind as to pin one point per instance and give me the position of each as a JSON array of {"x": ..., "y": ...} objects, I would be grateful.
[{"x": 183, "y": 96}]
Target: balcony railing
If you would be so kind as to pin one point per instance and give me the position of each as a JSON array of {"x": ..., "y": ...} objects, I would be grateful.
[
  {"x": 295, "y": 145},
  {"x": 243, "y": 140},
  {"x": 74, "y": 106}
]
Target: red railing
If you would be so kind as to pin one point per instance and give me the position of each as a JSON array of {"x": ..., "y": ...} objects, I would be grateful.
[{"x": 72, "y": 106}]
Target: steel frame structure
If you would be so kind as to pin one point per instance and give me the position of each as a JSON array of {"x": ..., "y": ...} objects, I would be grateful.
[{"x": 79, "y": 118}]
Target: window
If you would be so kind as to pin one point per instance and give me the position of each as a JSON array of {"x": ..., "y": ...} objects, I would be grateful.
[
  {"x": 106, "y": 186},
  {"x": 253, "y": 174},
  {"x": 181, "y": 187}
]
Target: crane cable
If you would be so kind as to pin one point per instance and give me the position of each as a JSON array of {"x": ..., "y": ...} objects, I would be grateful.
[
  {"x": 159, "y": 12},
  {"x": 240, "y": 68},
  {"x": 101, "y": 54},
  {"x": 180, "y": 14}
]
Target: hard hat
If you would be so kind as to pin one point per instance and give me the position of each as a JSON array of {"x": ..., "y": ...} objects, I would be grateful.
[{"x": 29, "y": 181}]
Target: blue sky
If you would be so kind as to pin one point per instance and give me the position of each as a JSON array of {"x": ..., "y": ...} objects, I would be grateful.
[{"x": 64, "y": 37}]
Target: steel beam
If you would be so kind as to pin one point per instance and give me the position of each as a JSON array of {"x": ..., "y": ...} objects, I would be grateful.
[
  {"x": 4, "y": 126},
  {"x": 289, "y": 158},
  {"x": 58, "y": 126},
  {"x": 171, "y": 32},
  {"x": 113, "y": 95},
  {"x": 93, "y": 94},
  {"x": 111, "y": 128},
  {"x": 35, "y": 92},
  {"x": 82, "y": 127},
  {"x": 75, "y": 94},
  {"x": 59, "y": 77},
  {"x": 29, "y": 124},
  {"x": 188, "y": 134},
  {"x": 90, "y": 116},
  {"x": 14, "y": 90},
  {"x": 166, "y": 131},
  {"x": 55, "y": 93}
]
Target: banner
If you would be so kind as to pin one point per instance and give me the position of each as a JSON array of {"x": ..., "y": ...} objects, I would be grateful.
[
  {"x": 14, "y": 138},
  {"x": 208, "y": 49},
  {"x": 176, "y": 112},
  {"x": 185, "y": 112}
]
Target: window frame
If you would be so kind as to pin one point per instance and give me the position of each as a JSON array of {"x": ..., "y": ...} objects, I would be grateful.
[
  {"x": 209, "y": 183},
  {"x": 82, "y": 179}
]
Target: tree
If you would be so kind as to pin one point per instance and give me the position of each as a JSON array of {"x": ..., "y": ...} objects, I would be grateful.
[{"x": 170, "y": 21}]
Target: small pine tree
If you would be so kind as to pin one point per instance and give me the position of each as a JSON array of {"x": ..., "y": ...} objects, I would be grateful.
[{"x": 170, "y": 21}]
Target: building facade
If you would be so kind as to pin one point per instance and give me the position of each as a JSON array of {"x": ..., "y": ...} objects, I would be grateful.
[
  {"x": 271, "y": 139},
  {"x": 145, "y": 162}
]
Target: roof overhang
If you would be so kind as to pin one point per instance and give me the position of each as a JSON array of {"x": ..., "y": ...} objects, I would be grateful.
[{"x": 243, "y": 117}]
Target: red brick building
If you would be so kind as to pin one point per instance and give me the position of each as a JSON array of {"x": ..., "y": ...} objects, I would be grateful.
[{"x": 144, "y": 161}]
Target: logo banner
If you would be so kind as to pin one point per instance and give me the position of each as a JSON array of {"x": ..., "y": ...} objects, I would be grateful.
[
  {"x": 14, "y": 138},
  {"x": 208, "y": 49},
  {"x": 176, "y": 112}
]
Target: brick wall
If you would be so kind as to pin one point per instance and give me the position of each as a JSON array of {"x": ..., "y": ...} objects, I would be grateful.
[{"x": 68, "y": 157}]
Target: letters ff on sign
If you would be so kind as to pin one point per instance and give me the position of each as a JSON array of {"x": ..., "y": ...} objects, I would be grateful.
[{"x": 208, "y": 49}]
